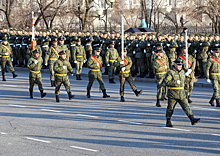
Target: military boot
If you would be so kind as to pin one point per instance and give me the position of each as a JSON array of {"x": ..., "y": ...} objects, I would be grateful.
[
  {"x": 217, "y": 103},
  {"x": 77, "y": 77},
  {"x": 80, "y": 77},
  {"x": 3, "y": 78},
  {"x": 112, "y": 81},
  {"x": 105, "y": 95},
  {"x": 106, "y": 71},
  {"x": 14, "y": 75},
  {"x": 194, "y": 120},
  {"x": 88, "y": 94},
  {"x": 57, "y": 98},
  {"x": 31, "y": 94},
  {"x": 71, "y": 96},
  {"x": 212, "y": 101},
  {"x": 168, "y": 123},
  {"x": 158, "y": 103},
  {"x": 189, "y": 101},
  {"x": 53, "y": 83},
  {"x": 42, "y": 94},
  {"x": 122, "y": 99},
  {"x": 138, "y": 93}
]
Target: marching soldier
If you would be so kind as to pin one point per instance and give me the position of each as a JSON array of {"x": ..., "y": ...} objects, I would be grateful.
[
  {"x": 6, "y": 54},
  {"x": 30, "y": 51},
  {"x": 171, "y": 46},
  {"x": 79, "y": 57},
  {"x": 95, "y": 64},
  {"x": 175, "y": 81},
  {"x": 35, "y": 64},
  {"x": 160, "y": 68},
  {"x": 124, "y": 75},
  {"x": 61, "y": 67},
  {"x": 110, "y": 57},
  {"x": 52, "y": 55},
  {"x": 213, "y": 75},
  {"x": 62, "y": 46}
]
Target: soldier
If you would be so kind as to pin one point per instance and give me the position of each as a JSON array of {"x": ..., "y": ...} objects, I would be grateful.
[
  {"x": 175, "y": 81},
  {"x": 124, "y": 75},
  {"x": 35, "y": 64},
  {"x": 79, "y": 57},
  {"x": 61, "y": 66},
  {"x": 171, "y": 46},
  {"x": 62, "y": 46},
  {"x": 31, "y": 49},
  {"x": 52, "y": 55},
  {"x": 45, "y": 47},
  {"x": 6, "y": 54},
  {"x": 110, "y": 57},
  {"x": 95, "y": 64},
  {"x": 213, "y": 75},
  {"x": 160, "y": 68}
]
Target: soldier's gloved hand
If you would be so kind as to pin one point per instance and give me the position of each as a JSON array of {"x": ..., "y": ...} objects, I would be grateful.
[
  {"x": 145, "y": 51},
  {"x": 123, "y": 69},
  {"x": 11, "y": 59},
  {"x": 168, "y": 45},
  {"x": 108, "y": 65},
  {"x": 216, "y": 45},
  {"x": 121, "y": 62},
  {"x": 75, "y": 61},
  {"x": 84, "y": 61},
  {"x": 195, "y": 51},
  {"x": 178, "y": 81},
  {"x": 200, "y": 44},
  {"x": 64, "y": 67},
  {"x": 6, "y": 53},
  {"x": 45, "y": 64},
  {"x": 136, "y": 45},
  {"x": 208, "y": 80},
  {"x": 165, "y": 67},
  {"x": 97, "y": 64},
  {"x": 134, "y": 52},
  {"x": 35, "y": 61},
  {"x": 148, "y": 44},
  {"x": 71, "y": 74}
]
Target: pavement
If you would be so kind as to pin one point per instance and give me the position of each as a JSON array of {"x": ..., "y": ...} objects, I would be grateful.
[{"x": 201, "y": 82}]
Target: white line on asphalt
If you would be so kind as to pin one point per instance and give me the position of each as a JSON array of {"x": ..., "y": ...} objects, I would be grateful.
[
  {"x": 2, "y": 133},
  {"x": 128, "y": 99},
  {"x": 37, "y": 140},
  {"x": 160, "y": 103},
  {"x": 84, "y": 148},
  {"x": 178, "y": 129},
  {"x": 87, "y": 115},
  {"x": 49, "y": 110},
  {"x": 216, "y": 134},
  {"x": 204, "y": 108},
  {"x": 130, "y": 122},
  {"x": 16, "y": 105},
  {"x": 9, "y": 85}
]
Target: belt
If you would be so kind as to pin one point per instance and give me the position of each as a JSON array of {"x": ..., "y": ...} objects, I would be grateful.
[
  {"x": 215, "y": 73},
  {"x": 95, "y": 69},
  {"x": 6, "y": 56},
  {"x": 61, "y": 74},
  {"x": 53, "y": 58},
  {"x": 112, "y": 60},
  {"x": 175, "y": 87},
  {"x": 36, "y": 72},
  {"x": 125, "y": 71},
  {"x": 162, "y": 73},
  {"x": 79, "y": 56}
]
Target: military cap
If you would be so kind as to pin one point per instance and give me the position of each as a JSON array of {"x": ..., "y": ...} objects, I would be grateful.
[
  {"x": 62, "y": 38},
  {"x": 5, "y": 38},
  {"x": 216, "y": 50},
  {"x": 112, "y": 42},
  {"x": 125, "y": 50},
  {"x": 63, "y": 52},
  {"x": 78, "y": 40},
  {"x": 183, "y": 46},
  {"x": 159, "y": 50},
  {"x": 159, "y": 44},
  {"x": 178, "y": 61},
  {"x": 36, "y": 51},
  {"x": 55, "y": 39},
  {"x": 97, "y": 48}
]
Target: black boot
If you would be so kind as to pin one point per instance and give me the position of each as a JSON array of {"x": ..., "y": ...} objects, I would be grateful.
[
  {"x": 80, "y": 77},
  {"x": 212, "y": 101},
  {"x": 151, "y": 75},
  {"x": 42, "y": 94},
  {"x": 158, "y": 103},
  {"x": 71, "y": 96},
  {"x": 57, "y": 98},
  {"x": 106, "y": 71},
  {"x": 31, "y": 94},
  {"x": 3, "y": 78},
  {"x": 169, "y": 124},
  {"x": 14, "y": 75},
  {"x": 138, "y": 93},
  {"x": 77, "y": 77},
  {"x": 194, "y": 120},
  {"x": 189, "y": 101},
  {"x": 112, "y": 81},
  {"x": 88, "y": 94},
  {"x": 53, "y": 83},
  {"x": 105, "y": 95},
  {"x": 217, "y": 103},
  {"x": 122, "y": 99}
]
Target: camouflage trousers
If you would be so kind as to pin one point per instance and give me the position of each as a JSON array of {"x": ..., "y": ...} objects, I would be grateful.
[
  {"x": 4, "y": 63},
  {"x": 161, "y": 89},
  {"x": 35, "y": 77},
  {"x": 216, "y": 87},
  {"x": 122, "y": 84},
  {"x": 62, "y": 80}
]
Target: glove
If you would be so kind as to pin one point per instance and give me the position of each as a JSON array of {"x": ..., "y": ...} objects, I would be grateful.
[
  {"x": 200, "y": 44},
  {"x": 148, "y": 44},
  {"x": 97, "y": 64},
  {"x": 11, "y": 59},
  {"x": 108, "y": 65},
  {"x": 84, "y": 61},
  {"x": 195, "y": 51},
  {"x": 165, "y": 67},
  {"x": 6, "y": 53},
  {"x": 189, "y": 44},
  {"x": 178, "y": 81},
  {"x": 123, "y": 69},
  {"x": 168, "y": 45},
  {"x": 216, "y": 45},
  {"x": 121, "y": 62},
  {"x": 134, "y": 52},
  {"x": 45, "y": 64},
  {"x": 136, "y": 45},
  {"x": 64, "y": 67},
  {"x": 145, "y": 51},
  {"x": 188, "y": 72},
  {"x": 75, "y": 61},
  {"x": 35, "y": 61},
  {"x": 208, "y": 80},
  {"x": 71, "y": 74}
]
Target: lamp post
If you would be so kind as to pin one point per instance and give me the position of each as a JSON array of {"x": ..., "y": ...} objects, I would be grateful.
[{"x": 104, "y": 12}]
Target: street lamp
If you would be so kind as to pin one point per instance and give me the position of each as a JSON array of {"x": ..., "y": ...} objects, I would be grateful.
[{"x": 104, "y": 12}]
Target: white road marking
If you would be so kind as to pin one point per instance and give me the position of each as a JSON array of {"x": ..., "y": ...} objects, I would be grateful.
[
  {"x": 160, "y": 103},
  {"x": 37, "y": 140},
  {"x": 204, "y": 108},
  {"x": 84, "y": 148},
  {"x": 216, "y": 134},
  {"x": 16, "y": 105},
  {"x": 128, "y": 99},
  {"x": 9, "y": 85},
  {"x": 87, "y": 115},
  {"x": 2, "y": 133},
  {"x": 130, "y": 122},
  {"x": 49, "y": 110},
  {"x": 178, "y": 129}
]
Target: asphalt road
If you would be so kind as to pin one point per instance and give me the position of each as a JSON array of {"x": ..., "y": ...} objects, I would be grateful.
[{"x": 101, "y": 127}]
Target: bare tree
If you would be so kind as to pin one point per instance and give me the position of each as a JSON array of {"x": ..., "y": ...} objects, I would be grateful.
[{"x": 6, "y": 9}]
